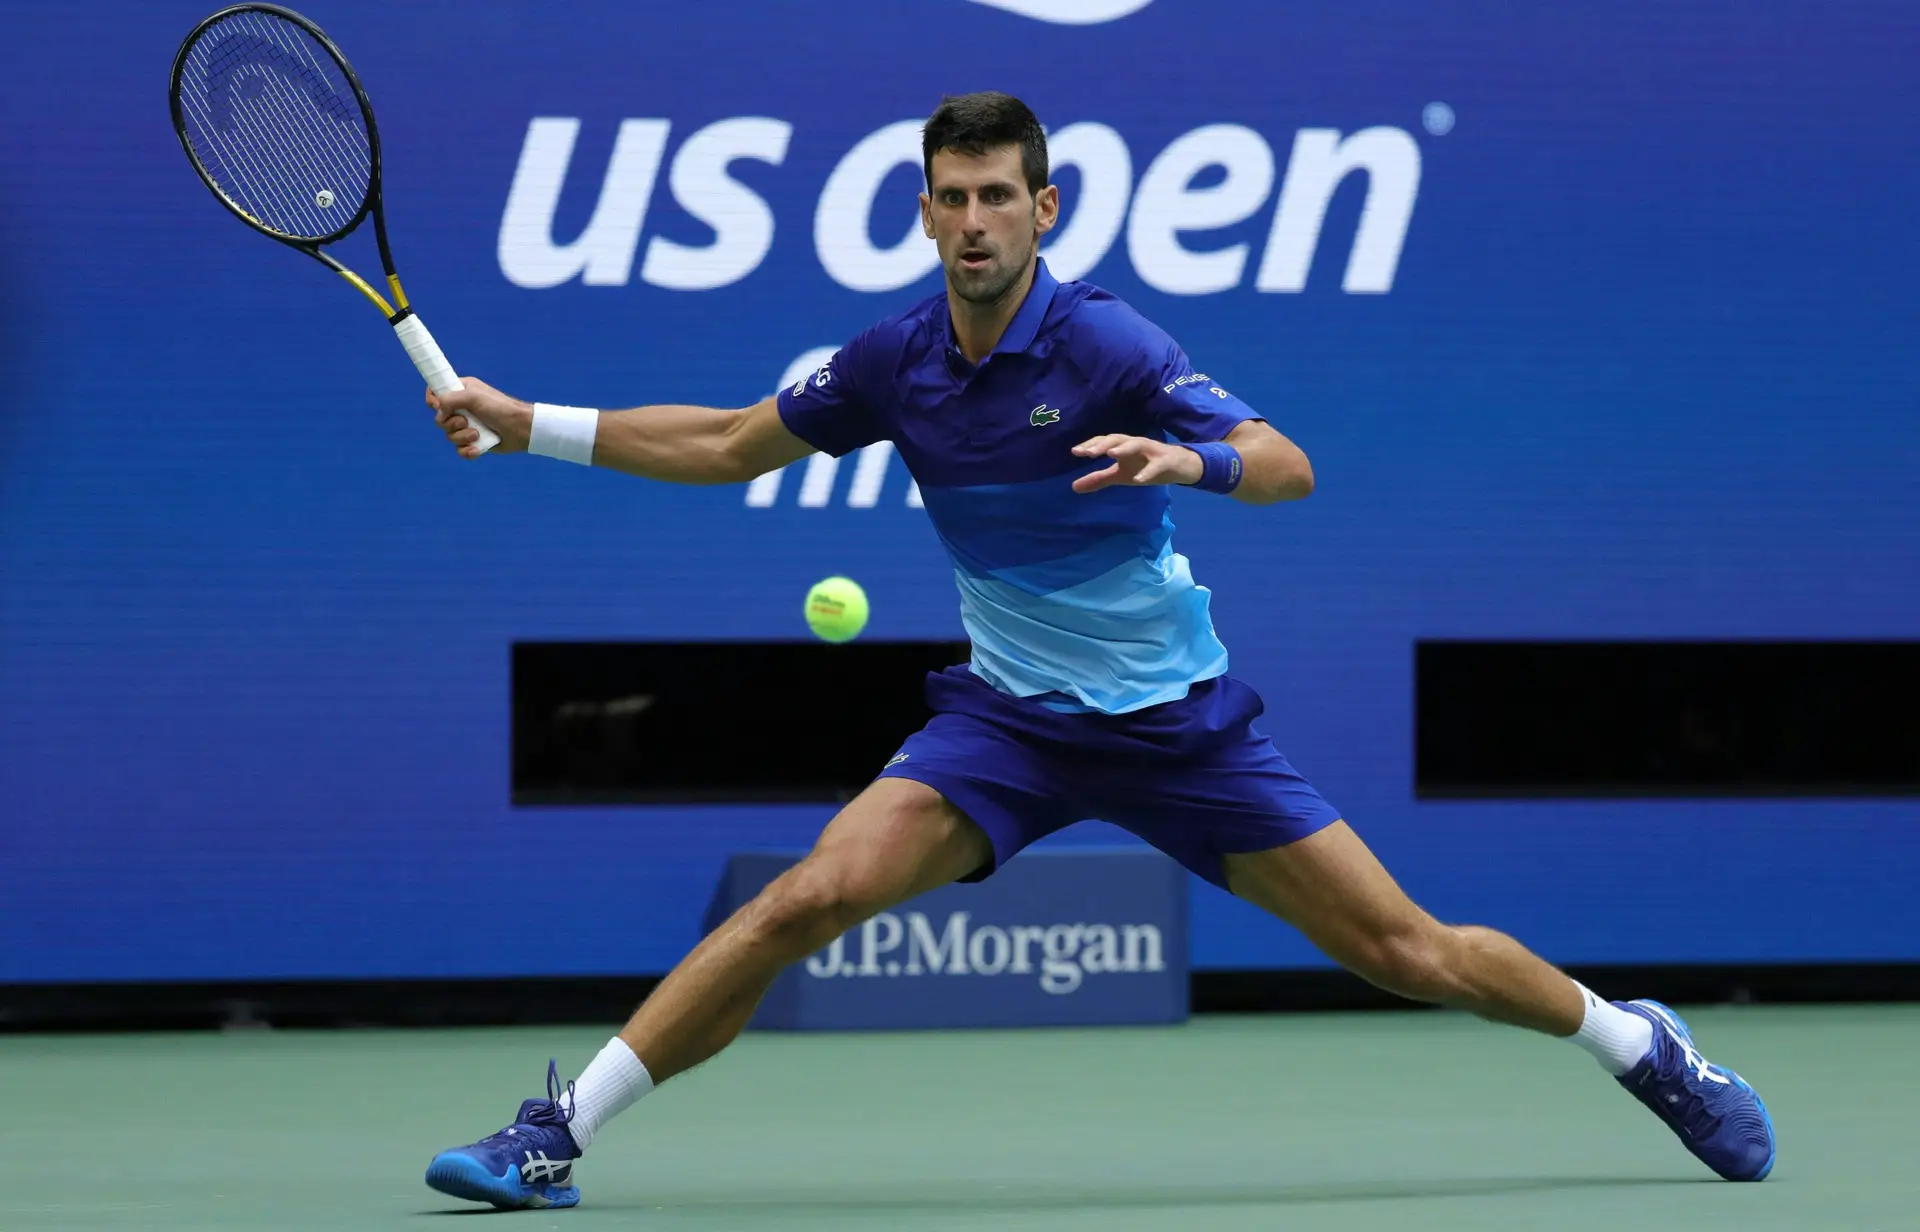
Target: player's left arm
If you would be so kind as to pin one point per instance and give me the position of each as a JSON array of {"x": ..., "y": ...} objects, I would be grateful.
[
  {"x": 1272, "y": 468},
  {"x": 1190, "y": 429}
]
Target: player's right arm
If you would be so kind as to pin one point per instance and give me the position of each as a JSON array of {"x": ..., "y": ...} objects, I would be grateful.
[
  {"x": 677, "y": 444},
  {"x": 829, "y": 411}
]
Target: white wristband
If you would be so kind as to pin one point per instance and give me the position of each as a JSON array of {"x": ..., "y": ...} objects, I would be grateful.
[{"x": 563, "y": 432}]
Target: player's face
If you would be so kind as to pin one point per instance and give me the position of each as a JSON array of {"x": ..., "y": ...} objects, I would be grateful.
[{"x": 984, "y": 221}]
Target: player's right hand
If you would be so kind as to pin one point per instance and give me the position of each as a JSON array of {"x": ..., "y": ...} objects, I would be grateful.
[{"x": 510, "y": 418}]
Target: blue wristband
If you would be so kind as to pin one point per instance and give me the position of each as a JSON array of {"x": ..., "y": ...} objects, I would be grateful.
[{"x": 1220, "y": 467}]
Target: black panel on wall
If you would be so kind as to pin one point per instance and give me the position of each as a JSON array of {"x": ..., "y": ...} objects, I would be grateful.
[
  {"x": 1520, "y": 719},
  {"x": 664, "y": 722}
]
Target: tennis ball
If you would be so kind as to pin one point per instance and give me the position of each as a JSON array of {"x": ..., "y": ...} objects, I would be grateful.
[{"x": 836, "y": 609}]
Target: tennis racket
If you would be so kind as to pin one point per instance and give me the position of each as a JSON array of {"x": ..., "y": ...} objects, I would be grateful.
[{"x": 277, "y": 124}]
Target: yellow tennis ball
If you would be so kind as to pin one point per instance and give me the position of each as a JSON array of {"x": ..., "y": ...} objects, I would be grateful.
[{"x": 837, "y": 609}]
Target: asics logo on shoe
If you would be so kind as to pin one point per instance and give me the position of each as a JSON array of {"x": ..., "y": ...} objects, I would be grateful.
[
  {"x": 1688, "y": 1053},
  {"x": 539, "y": 1168},
  {"x": 1698, "y": 1064}
]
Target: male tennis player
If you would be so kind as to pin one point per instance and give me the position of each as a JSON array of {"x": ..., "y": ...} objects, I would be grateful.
[{"x": 1046, "y": 423}]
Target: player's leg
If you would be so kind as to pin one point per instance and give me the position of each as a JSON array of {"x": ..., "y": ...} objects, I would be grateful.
[
  {"x": 1330, "y": 887},
  {"x": 963, "y": 795},
  {"x": 1229, "y": 807},
  {"x": 897, "y": 839}
]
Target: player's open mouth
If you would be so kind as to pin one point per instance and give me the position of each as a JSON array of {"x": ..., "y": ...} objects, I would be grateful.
[{"x": 973, "y": 258}]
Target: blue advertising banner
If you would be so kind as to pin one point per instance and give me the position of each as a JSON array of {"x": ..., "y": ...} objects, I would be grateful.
[
  {"x": 1054, "y": 939},
  {"x": 1596, "y": 320}
]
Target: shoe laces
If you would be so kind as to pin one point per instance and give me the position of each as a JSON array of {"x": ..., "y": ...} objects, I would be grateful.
[
  {"x": 555, "y": 1091},
  {"x": 548, "y": 1114}
]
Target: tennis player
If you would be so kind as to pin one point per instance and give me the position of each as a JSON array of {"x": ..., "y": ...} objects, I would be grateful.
[{"x": 1047, "y": 424}]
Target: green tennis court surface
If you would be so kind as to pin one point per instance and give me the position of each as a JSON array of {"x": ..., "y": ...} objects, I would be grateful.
[{"x": 1383, "y": 1121}]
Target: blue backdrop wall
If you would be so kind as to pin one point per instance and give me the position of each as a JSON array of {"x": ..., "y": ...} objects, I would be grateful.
[{"x": 1596, "y": 319}]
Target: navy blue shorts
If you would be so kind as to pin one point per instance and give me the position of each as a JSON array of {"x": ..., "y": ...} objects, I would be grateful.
[{"x": 1191, "y": 776}]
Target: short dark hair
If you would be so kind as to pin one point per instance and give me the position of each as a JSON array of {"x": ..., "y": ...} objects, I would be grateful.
[{"x": 972, "y": 124}]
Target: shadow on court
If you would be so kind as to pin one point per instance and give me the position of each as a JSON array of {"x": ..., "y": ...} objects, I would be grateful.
[{"x": 1012, "y": 1199}]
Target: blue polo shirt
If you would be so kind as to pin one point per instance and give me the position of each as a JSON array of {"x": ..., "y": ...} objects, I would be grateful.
[{"x": 1079, "y": 602}]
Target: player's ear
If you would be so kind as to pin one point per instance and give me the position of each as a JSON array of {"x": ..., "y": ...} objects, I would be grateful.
[
  {"x": 926, "y": 214},
  {"x": 1046, "y": 209}
]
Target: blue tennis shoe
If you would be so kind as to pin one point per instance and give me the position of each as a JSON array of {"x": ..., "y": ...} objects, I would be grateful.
[
  {"x": 527, "y": 1164},
  {"x": 1710, "y": 1109}
]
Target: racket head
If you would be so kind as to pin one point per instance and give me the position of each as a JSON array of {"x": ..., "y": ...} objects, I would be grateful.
[{"x": 276, "y": 124}]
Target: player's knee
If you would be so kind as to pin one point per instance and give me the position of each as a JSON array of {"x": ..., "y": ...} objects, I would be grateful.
[{"x": 808, "y": 907}]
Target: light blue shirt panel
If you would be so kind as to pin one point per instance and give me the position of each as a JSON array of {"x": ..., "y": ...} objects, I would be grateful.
[{"x": 1135, "y": 636}]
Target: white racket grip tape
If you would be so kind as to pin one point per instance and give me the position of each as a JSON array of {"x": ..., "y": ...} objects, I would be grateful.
[{"x": 432, "y": 363}]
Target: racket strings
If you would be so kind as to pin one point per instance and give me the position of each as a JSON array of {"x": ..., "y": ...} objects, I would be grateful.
[
  {"x": 276, "y": 124},
  {"x": 316, "y": 123},
  {"x": 288, "y": 127}
]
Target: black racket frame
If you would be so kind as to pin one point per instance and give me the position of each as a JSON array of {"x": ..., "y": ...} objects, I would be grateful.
[{"x": 396, "y": 311}]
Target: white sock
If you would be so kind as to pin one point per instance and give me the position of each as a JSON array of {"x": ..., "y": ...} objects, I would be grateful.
[
  {"x": 610, "y": 1085},
  {"x": 1617, "y": 1039}
]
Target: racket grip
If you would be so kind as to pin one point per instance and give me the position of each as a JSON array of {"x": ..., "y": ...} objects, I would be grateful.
[{"x": 438, "y": 373}]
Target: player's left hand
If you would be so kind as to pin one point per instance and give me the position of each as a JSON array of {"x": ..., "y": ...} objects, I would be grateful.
[{"x": 1137, "y": 462}]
